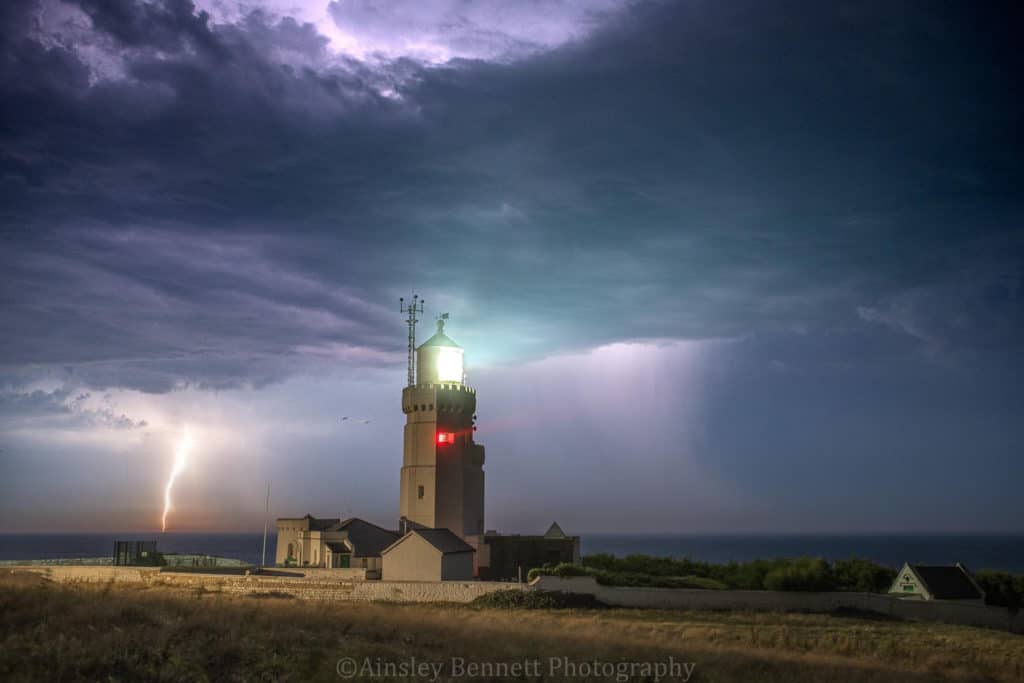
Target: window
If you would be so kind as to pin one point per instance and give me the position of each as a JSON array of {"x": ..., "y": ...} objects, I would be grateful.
[
  {"x": 419, "y": 491},
  {"x": 415, "y": 406},
  {"x": 431, "y": 406},
  {"x": 445, "y": 437}
]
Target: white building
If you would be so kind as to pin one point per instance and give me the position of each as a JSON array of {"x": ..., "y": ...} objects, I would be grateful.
[{"x": 331, "y": 543}]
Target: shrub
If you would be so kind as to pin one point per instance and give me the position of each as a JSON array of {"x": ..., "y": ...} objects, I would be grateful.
[
  {"x": 776, "y": 574},
  {"x": 704, "y": 582},
  {"x": 803, "y": 574},
  {"x": 563, "y": 569},
  {"x": 1001, "y": 588},
  {"x": 862, "y": 575},
  {"x": 607, "y": 577},
  {"x": 600, "y": 561}
]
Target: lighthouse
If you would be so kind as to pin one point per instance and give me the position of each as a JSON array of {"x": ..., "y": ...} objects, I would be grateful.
[
  {"x": 440, "y": 535},
  {"x": 442, "y": 484}
]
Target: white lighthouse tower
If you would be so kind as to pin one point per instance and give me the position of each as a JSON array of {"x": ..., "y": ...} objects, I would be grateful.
[{"x": 442, "y": 467}]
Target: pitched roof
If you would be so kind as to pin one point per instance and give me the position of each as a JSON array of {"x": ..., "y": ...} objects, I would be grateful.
[
  {"x": 440, "y": 339},
  {"x": 366, "y": 539},
  {"x": 554, "y": 531},
  {"x": 947, "y": 582},
  {"x": 320, "y": 524},
  {"x": 442, "y": 539}
]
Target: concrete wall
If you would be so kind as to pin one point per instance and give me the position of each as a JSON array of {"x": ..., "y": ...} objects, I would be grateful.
[
  {"x": 414, "y": 560},
  {"x": 966, "y": 613},
  {"x": 451, "y": 475},
  {"x": 419, "y": 461},
  {"x": 457, "y": 567},
  {"x": 288, "y": 533}
]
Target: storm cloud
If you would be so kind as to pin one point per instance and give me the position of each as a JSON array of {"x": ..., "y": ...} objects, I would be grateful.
[{"x": 825, "y": 195}]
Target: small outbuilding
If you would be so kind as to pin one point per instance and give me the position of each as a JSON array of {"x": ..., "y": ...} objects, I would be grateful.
[
  {"x": 931, "y": 582},
  {"x": 428, "y": 555}
]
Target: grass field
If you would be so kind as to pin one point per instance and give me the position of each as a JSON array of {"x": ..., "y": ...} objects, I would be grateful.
[{"x": 128, "y": 633}]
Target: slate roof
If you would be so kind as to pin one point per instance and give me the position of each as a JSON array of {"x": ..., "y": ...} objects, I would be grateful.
[
  {"x": 442, "y": 539},
  {"x": 320, "y": 524},
  {"x": 947, "y": 582},
  {"x": 366, "y": 539}
]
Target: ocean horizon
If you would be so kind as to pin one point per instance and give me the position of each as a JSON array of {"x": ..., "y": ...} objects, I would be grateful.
[{"x": 1003, "y": 552}]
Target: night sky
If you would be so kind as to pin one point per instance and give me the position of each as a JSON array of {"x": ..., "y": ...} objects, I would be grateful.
[{"x": 717, "y": 266}]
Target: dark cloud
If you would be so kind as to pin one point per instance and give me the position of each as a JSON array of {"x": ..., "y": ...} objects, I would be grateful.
[
  {"x": 65, "y": 406},
  {"x": 170, "y": 25},
  {"x": 827, "y": 191},
  {"x": 232, "y": 200}
]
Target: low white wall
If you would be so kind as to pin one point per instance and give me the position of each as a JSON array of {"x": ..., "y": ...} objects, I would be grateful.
[{"x": 681, "y": 598}]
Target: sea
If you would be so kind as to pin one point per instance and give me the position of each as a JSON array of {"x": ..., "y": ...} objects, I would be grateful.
[{"x": 1003, "y": 552}]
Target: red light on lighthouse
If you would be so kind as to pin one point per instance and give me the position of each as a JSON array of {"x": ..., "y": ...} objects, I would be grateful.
[{"x": 445, "y": 437}]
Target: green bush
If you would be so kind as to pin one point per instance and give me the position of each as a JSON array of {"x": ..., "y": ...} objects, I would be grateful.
[
  {"x": 856, "y": 574},
  {"x": 1001, "y": 588},
  {"x": 803, "y": 574},
  {"x": 704, "y": 582},
  {"x": 563, "y": 569},
  {"x": 776, "y": 574},
  {"x": 626, "y": 578}
]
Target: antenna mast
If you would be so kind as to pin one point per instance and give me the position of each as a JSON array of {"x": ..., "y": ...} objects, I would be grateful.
[{"x": 412, "y": 310}]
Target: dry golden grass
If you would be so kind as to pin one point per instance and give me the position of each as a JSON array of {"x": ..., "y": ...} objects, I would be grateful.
[{"x": 105, "y": 632}]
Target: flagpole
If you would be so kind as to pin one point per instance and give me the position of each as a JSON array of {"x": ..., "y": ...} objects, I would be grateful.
[{"x": 266, "y": 523}]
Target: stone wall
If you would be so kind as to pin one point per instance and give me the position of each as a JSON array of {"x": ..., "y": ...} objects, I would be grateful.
[
  {"x": 429, "y": 591},
  {"x": 320, "y": 574},
  {"x": 332, "y": 585},
  {"x": 315, "y": 585},
  {"x": 108, "y": 561}
]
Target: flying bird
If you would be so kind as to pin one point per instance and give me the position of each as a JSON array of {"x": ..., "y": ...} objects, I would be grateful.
[{"x": 355, "y": 419}]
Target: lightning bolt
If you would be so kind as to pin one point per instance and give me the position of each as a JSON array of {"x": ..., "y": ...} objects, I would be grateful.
[{"x": 180, "y": 461}]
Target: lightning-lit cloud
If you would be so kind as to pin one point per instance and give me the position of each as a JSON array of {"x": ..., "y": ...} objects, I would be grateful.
[{"x": 208, "y": 217}]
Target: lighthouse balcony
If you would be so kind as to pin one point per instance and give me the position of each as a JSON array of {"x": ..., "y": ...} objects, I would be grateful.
[{"x": 444, "y": 398}]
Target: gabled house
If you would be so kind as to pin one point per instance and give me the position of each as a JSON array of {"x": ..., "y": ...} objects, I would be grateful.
[
  {"x": 331, "y": 543},
  {"x": 428, "y": 555},
  {"x": 935, "y": 582}
]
